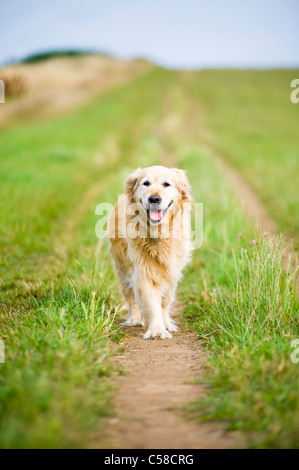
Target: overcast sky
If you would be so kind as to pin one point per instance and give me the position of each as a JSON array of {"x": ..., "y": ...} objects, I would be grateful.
[{"x": 174, "y": 33}]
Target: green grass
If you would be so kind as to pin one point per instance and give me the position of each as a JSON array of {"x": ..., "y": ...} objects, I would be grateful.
[
  {"x": 54, "y": 386},
  {"x": 58, "y": 303},
  {"x": 244, "y": 309},
  {"x": 248, "y": 117}
]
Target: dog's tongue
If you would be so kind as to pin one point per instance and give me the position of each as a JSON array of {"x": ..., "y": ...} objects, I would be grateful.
[{"x": 156, "y": 215}]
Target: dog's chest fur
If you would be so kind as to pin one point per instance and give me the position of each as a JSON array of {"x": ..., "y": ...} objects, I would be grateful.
[{"x": 159, "y": 259}]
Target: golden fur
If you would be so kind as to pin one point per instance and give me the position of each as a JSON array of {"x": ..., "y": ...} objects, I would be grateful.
[{"x": 149, "y": 255}]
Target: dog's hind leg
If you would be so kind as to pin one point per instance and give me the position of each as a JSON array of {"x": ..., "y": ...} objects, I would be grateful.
[
  {"x": 124, "y": 270},
  {"x": 134, "y": 316}
]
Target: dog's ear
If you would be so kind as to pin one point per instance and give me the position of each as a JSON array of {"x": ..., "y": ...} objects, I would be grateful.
[
  {"x": 183, "y": 184},
  {"x": 131, "y": 184}
]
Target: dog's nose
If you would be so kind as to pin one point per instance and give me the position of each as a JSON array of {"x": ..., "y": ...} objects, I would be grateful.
[{"x": 154, "y": 199}]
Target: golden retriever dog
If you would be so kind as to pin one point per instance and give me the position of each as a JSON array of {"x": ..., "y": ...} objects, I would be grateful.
[{"x": 150, "y": 241}]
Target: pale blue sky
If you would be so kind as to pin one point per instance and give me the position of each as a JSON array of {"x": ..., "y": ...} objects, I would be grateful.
[{"x": 174, "y": 33}]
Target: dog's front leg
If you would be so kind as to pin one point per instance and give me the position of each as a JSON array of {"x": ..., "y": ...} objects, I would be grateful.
[
  {"x": 149, "y": 301},
  {"x": 167, "y": 300}
]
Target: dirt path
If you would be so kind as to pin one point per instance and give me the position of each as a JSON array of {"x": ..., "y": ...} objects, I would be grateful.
[{"x": 160, "y": 380}]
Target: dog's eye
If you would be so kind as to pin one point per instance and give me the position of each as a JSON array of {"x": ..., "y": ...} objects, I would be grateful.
[
  {"x": 166, "y": 184},
  {"x": 146, "y": 183}
]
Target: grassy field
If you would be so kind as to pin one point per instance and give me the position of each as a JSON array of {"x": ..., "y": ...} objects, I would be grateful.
[
  {"x": 58, "y": 303},
  {"x": 248, "y": 117}
]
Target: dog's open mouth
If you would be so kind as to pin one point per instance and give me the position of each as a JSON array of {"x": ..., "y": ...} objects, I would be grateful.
[{"x": 155, "y": 214}]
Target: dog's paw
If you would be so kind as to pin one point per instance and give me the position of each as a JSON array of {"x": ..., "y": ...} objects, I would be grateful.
[
  {"x": 133, "y": 321},
  {"x": 161, "y": 333},
  {"x": 171, "y": 325}
]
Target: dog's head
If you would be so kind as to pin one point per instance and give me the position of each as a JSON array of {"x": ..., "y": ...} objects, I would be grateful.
[{"x": 159, "y": 191}]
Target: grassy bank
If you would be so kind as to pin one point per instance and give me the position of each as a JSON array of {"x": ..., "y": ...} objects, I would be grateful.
[{"x": 244, "y": 309}]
